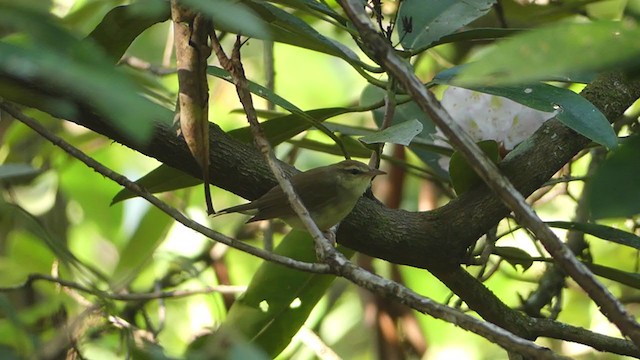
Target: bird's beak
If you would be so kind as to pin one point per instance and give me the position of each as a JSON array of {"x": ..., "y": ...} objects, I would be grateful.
[{"x": 376, "y": 172}]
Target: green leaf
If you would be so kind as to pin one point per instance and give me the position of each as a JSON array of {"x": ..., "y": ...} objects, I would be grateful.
[
  {"x": 17, "y": 173},
  {"x": 311, "y": 7},
  {"x": 573, "y": 110},
  {"x": 623, "y": 277},
  {"x": 279, "y": 299},
  {"x": 401, "y": 133},
  {"x": 290, "y": 29},
  {"x": 161, "y": 179},
  {"x": 124, "y": 23},
  {"x": 233, "y": 17},
  {"x": 50, "y": 54},
  {"x": 614, "y": 190},
  {"x": 607, "y": 9},
  {"x": 514, "y": 256},
  {"x": 422, "y": 145},
  {"x": 355, "y": 148},
  {"x": 475, "y": 35},
  {"x": 141, "y": 246},
  {"x": 418, "y": 142},
  {"x": 282, "y": 128},
  {"x": 600, "y": 231},
  {"x": 432, "y": 19},
  {"x": 463, "y": 177},
  {"x": 565, "y": 48}
]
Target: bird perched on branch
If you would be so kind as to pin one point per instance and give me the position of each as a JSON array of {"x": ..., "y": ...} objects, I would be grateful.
[{"x": 329, "y": 193}]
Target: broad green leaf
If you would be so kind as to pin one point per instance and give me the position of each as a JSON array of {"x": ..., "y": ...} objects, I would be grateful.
[
  {"x": 279, "y": 299},
  {"x": 423, "y": 22},
  {"x": 402, "y": 133},
  {"x": 234, "y": 17},
  {"x": 573, "y": 110},
  {"x": 87, "y": 74},
  {"x": 565, "y": 48},
  {"x": 281, "y": 26},
  {"x": 418, "y": 142},
  {"x": 355, "y": 148},
  {"x": 535, "y": 14},
  {"x": 463, "y": 177},
  {"x": 124, "y": 23},
  {"x": 422, "y": 145},
  {"x": 623, "y": 277},
  {"x": 474, "y": 35},
  {"x": 84, "y": 17},
  {"x": 600, "y": 231},
  {"x": 141, "y": 246},
  {"x": 161, "y": 179},
  {"x": 17, "y": 173},
  {"x": 607, "y": 9},
  {"x": 282, "y": 128},
  {"x": 311, "y": 6},
  {"x": 290, "y": 29},
  {"x": 614, "y": 190},
  {"x": 514, "y": 256}
]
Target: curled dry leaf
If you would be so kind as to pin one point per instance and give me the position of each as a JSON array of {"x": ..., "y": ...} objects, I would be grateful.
[{"x": 191, "y": 32}]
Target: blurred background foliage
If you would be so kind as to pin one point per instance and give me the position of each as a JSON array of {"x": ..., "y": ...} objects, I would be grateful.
[{"x": 57, "y": 216}]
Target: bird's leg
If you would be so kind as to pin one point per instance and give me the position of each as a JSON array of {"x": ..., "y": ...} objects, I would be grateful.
[{"x": 331, "y": 235}]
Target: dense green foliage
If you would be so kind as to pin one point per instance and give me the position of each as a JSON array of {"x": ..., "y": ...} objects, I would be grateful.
[{"x": 88, "y": 268}]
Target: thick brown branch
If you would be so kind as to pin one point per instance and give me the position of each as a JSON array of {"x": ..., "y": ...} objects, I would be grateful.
[{"x": 433, "y": 239}]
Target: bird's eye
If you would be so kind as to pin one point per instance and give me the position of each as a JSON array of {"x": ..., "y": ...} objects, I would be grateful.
[{"x": 354, "y": 171}]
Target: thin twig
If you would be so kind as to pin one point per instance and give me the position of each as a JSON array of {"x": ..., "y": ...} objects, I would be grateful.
[
  {"x": 140, "y": 64},
  {"x": 174, "y": 294},
  {"x": 166, "y": 208},
  {"x": 315, "y": 343},
  {"x": 553, "y": 280},
  {"x": 387, "y": 119},
  {"x": 384, "y": 55},
  {"x": 233, "y": 65}
]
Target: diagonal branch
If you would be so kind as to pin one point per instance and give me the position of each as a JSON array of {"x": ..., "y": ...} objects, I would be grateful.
[
  {"x": 166, "y": 208},
  {"x": 233, "y": 65},
  {"x": 135, "y": 297}
]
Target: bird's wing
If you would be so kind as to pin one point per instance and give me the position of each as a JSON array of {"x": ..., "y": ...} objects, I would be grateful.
[{"x": 270, "y": 204}]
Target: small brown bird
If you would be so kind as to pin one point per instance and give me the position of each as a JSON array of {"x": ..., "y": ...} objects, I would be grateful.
[{"x": 328, "y": 192}]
